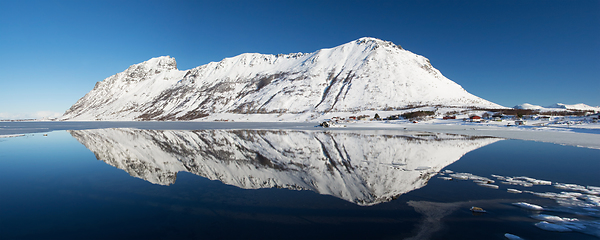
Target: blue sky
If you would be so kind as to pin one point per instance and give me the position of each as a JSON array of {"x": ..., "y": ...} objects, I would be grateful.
[{"x": 509, "y": 52}]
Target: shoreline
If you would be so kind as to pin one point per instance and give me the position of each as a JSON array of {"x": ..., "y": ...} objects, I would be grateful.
[{"x": 579, "y": 137}]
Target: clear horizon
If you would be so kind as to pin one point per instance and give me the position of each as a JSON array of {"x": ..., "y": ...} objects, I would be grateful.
[{"x": 507, "y": 52}]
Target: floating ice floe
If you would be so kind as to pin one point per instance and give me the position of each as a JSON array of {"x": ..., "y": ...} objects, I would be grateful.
[
  {"x": 529, "y": 206},
  {"x": 574, "y": 187},
  {"x": 588, "y": 204},
  {"x": 558, "y": 224},
  {"x": 523, "y": 181},
  {"x": 511, "y": 190},
  {"x": 594, "y": 189},
  {"x": 517, "y": 182},
  {"x": 499, "y": 178},
  {"x": 533, "y": 180},
  {"x": 512, "y": 237},
  {"x": 468, "y": 176},
  {"x": 567, "y": 186},
  {"x": 570, "y": 223},
  {"x": 576, "y": 199},
  {"x": 563, "y": 224},
  {"x": 488, "y": 185},
  {"x": 483, "y": 181},
  {"x": 459, "y": 176},
  {"x": 445, "y": 178},
  {"x": 552, "y": 227}
]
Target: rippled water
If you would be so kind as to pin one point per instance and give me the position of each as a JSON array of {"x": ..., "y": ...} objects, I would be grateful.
[{"x": 125, "y": 183}]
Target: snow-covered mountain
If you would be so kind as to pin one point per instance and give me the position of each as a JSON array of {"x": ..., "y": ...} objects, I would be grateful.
[
  {"x": 578, "y": 106},
  {"x": 365, "y": 168},
  {"x": 559, "y": 107},
  {"x": 528, "y": 106},
  {"x": 365, "y": 74}
]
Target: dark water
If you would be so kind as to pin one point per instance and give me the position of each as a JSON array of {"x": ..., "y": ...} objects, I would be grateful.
[{"x": 276, "y": 184}]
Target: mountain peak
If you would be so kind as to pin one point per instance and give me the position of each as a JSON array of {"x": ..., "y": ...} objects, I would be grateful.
[
  {"x": 376, "y": 42},
  {"x": 147, "y": 69},
  {"x": 160, "y": 63}
]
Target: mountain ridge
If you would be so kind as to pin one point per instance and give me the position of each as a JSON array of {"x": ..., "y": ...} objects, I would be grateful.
[{"x": 365, "y": 74}]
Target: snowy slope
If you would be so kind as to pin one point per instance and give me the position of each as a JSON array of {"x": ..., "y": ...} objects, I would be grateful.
[
  {"x": 366, "y": 74},
  {"x": 365, "y": 168}
]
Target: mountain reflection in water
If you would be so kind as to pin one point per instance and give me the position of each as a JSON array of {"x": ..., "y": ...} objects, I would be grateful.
[{"x": 363, "y": 167}]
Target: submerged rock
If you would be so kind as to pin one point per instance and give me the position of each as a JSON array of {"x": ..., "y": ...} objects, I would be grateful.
[{"x": 477, "y": 210}]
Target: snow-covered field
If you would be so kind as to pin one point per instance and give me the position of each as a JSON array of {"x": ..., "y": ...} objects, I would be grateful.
[
  {"x": 573, "y": 134},
  {"x": 580, "y": 135},
  {"x": 569, "y": 130}
]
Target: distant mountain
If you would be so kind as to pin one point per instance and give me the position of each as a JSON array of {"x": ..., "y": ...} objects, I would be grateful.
[
  {"x": 558, "y": 107},
  {"x": 366, "y": 74},
  {"x": 528, "y": 106},
  {"x": 579, "y": 106},
  {"x": 361, "y": 167}
]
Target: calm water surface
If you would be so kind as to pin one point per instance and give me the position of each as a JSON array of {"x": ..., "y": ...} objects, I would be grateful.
[{"x": 278, "y": 184}]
